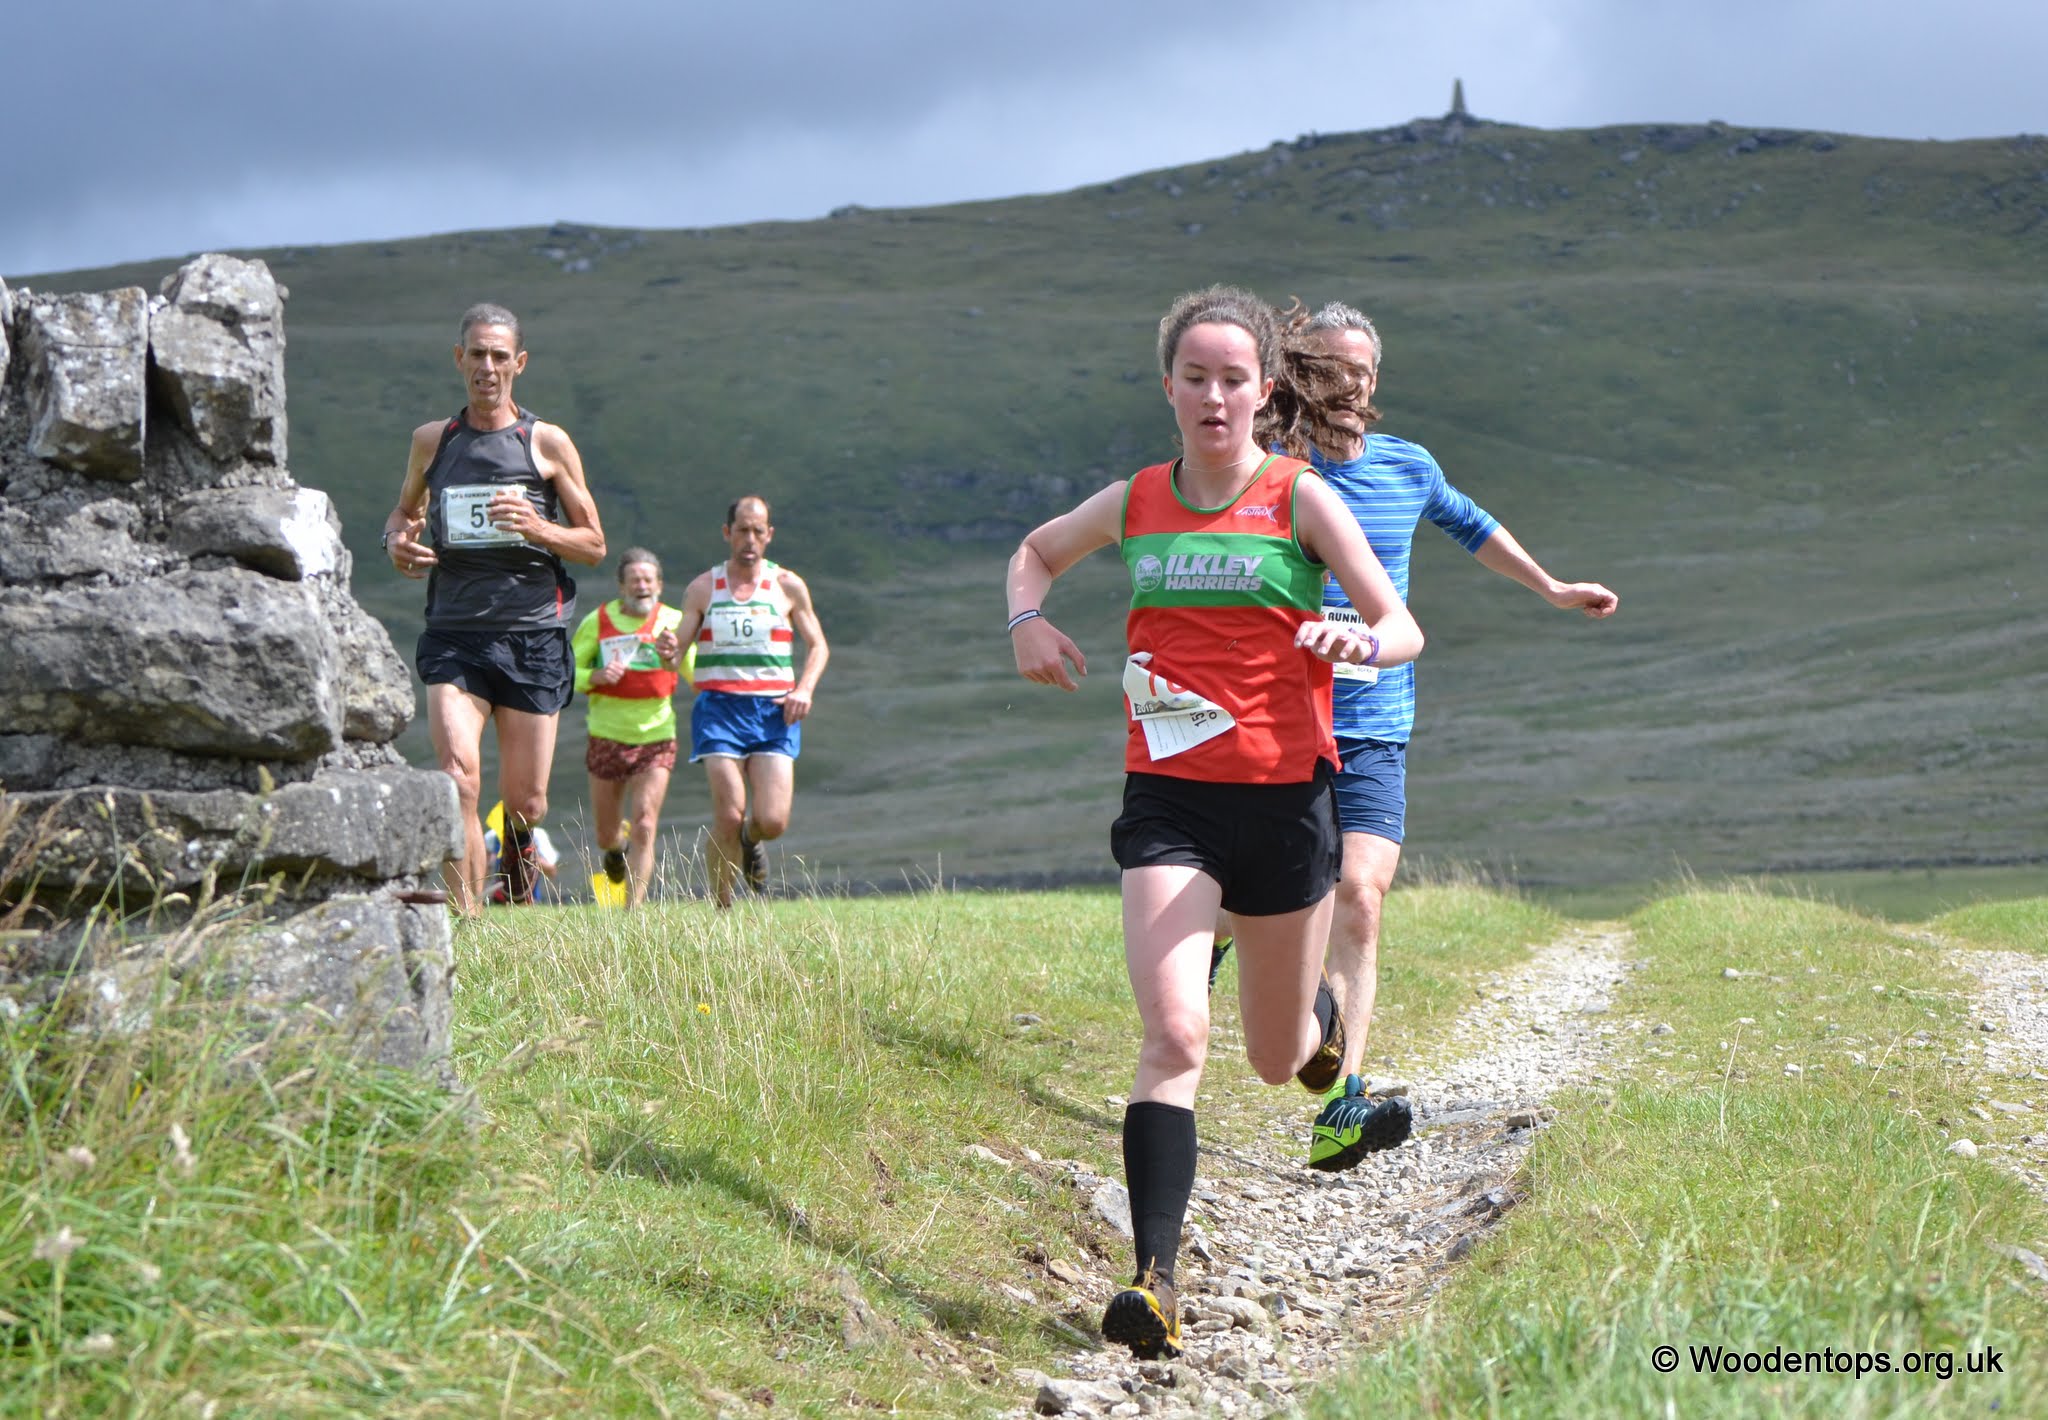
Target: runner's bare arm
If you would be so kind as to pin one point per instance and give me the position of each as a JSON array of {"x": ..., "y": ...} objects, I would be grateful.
[
  {"x": 1332, "y": 536},
  {"x": 696, "y": 602},
  {"x": 1048, "y": 550},
  {"x": 403, "y": 528},
  {"x": 803, "y": 618},
  {"x": 668, "y": 646},
  {"x": 582, "y": 539},
  {"x": 1501, "y": 553}
]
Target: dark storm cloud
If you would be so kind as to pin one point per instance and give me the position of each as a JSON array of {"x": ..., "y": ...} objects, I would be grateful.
[{"x": 136, "y": 130}]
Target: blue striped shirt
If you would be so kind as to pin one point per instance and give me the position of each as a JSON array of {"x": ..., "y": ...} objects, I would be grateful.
[{"x": 1390, "y": 489}]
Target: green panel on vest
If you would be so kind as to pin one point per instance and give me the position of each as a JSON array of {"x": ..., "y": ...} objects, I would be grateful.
[
  {"x": 1220, "y": 569},
  {"x": 744, "y": 658}
]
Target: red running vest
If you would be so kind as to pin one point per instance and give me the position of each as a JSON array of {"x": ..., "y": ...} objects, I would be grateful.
[{"x": 1216, "y": 597}]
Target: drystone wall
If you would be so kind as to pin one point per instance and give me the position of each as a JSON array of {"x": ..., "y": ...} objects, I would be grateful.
[{"x": 193, "y": 707}]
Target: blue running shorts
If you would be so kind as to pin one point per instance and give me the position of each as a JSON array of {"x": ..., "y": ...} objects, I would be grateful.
[
  {"x": 740, "y": 726},
  {"x": 1372, "y": 788}
]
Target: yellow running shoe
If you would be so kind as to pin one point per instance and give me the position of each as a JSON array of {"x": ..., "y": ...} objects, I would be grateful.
[{"x": 1145, "y": 1318}]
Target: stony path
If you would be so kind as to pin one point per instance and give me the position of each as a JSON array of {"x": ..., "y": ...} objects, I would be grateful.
[
  {"x": 2011, "y": 1011},
  {"x": 1286, "y": 1272}
]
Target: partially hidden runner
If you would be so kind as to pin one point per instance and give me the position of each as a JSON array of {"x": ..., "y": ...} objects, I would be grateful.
[
  {"x": 1229, "y": 753},
  {"x": 746, "y": 728},
  {"x": 629, "y": 659},
  {"x": 492, "y": 505},
  {"x": 1390, "y": 486}
]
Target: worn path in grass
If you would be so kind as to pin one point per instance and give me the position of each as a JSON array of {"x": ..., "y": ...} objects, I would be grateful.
[
  {"x": 2009, "y": 1116},
  {"x": 1287, "y": 1272}
]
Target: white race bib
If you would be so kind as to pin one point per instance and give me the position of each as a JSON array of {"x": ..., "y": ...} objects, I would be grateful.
[
  {"x": 622, "y": 651},
  {"x": 466, "y": 516},
  {"x": 1173, "y": 717},
  {"x": 739, "y": 628},
  {"x": 1364, "y": 675}
]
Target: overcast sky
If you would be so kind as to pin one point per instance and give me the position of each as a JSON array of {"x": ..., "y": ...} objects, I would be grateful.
[{"x": 142, "y": 129}]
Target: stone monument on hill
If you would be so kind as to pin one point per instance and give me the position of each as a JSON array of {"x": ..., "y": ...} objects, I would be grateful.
[{"x": 192, "y": 704}]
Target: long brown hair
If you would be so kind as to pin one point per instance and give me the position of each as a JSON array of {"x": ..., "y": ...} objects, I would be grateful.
[{"x": 1309, "y": 384}]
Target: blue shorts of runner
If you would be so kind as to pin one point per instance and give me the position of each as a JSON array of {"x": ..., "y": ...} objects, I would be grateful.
[
  {"x": 1372, "y": 788},
  {"x": 740, "y": 726},
  {"x": 528, "y": 670},
  {"x": 1273, "y": 848}
]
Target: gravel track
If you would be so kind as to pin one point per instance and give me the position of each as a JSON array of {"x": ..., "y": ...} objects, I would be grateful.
[{"x": 1286, "y": 1272}]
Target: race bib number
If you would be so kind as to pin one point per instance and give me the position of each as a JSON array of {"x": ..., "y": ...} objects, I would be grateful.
[
  {"x": 739, "y": 628},
  {"x": 1173, "y": 717},
  {"x": 629, "y": 651},
  {"x": 466, "y": 517},
  {"x": 1362, "y": 675}
]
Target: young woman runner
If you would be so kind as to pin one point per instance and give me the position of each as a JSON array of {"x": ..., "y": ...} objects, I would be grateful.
[{"x": 1229, "y": 756}]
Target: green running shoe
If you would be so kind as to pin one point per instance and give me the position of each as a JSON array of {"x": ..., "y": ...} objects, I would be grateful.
[
  {"x": 1353, "y": 1124},
  {"x": 1145, "y": 1318},
  {"x": 1320, "y": 1073},
  {"x": 1216, "y": 955}
]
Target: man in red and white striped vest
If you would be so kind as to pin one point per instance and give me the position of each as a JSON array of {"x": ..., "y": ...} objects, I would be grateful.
[{"x": 746, "y": 727}]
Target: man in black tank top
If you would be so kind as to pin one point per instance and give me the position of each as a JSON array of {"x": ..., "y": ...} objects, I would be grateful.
[{"x": 493, "y": 504}]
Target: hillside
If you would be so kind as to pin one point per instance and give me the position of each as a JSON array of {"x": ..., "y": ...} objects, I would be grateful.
[{"x": 1778, "y": 389}]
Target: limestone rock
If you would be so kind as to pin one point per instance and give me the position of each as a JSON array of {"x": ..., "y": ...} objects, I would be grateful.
[
  {"x": 1061, "y": 1395},
  {"x": 47, "y": 761},
  {"x": 373, "y": 967},
  {"x": 1113, "y": 1206},
  {"x": 6, "y": 319},
  {"x": 53, "y": 544},
  {"x": 368, "y": 825},
  {"x": 288, "y": 533},
  {"x": 82, "y": 363},
  {"x": 376, "y": 824},
  {"x": 217, "y": 349},
  {"x": 376, "y": 687},
  {"x": 367, "y": 968},
  {"x": 211, "y": 662}
]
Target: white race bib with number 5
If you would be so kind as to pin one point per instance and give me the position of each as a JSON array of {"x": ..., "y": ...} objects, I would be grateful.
[
  {"x": 466, "y": 516},
  {"x": 1364, "y": 675}
]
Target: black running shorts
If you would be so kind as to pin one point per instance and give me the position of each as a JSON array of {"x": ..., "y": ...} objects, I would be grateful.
[
  {"x": 516, "y": 670},
  {"x": 1273, "y": 848}
]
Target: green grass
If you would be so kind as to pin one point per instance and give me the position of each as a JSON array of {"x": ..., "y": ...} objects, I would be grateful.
[
  {"x": 692, "y": 1138},
  {"x": 2020, "y": 926},
  {"x": 1894, "y": 894},
  {"x": 1760, "y": 394},
  {"x": 1714, "y": 1200},
  {"x": 729, "y": 1156}
]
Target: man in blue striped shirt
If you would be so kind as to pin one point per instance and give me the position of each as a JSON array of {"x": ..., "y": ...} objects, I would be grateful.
[{"x": 1390, "y": 485}]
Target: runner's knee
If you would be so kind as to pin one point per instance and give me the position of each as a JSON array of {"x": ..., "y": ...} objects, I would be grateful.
[
  {"x": 1273, "y": 1064},
  {"x": 769, "y": 826},
  {"x": 1177, "y": 1043},
  {"x": 468, "y": 777},
  {"x": 1359, "y": 898},
  {"x": 530, "y": 807}
]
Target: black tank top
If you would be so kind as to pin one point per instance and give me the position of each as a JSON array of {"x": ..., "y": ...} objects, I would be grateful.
[{"x": 485, "y": 579}]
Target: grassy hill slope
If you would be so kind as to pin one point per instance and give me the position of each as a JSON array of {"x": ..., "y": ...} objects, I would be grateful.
[{"x": 1777, "y": 389}]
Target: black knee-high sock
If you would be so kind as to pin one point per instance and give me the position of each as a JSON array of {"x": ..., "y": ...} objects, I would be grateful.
[{"x": 1159, "y": 1168}]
